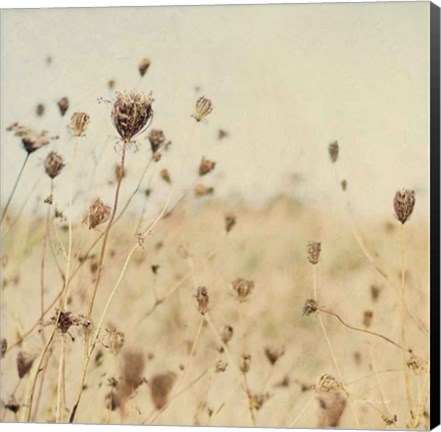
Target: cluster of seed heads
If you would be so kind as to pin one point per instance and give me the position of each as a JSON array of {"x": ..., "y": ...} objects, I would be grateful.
[
  {"x": 220, "y": 366},
  {"x": 404, "y": 202},
  {"x": 206, "y": 166},
  {"x": 245, "y": 364},
  {"x": 53, "y": 164},
  {"x": 67, "y": 319},
  {"x": 333, "y": 151},
  {"x": 203, "y": 108},
  {"x": 31, "y": 140},
  {"x": 313, "y": 250},
  {"x": 243, "y": 288},
  {"x": 327, "y": 383},
  {"x": 157, "y": 140},
  {"x": 78, "y": 123},
  {"x": 310, "y": 307},
  {"x": 202, "y": 299},
  {"x": 98, "y": 214},
  {"x": 114, "y": 340}
]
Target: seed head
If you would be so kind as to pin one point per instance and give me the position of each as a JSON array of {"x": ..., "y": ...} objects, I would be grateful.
[
  {"x": 327, "y": 383},
  {"x": 203, "y": 299},
  {"x": 273, "y": 354},
  {"x": 131, "y": 114},
  {"x": 242, "y": 288},
  {"x": 226, "y": 333},
  {"x": 79, "y": 122},
  {"x": 161, "y": 386},
  {"x": 257, "y": 400},
  {"x": 344, "y": 185},
  {"x": 53, "y": 164},
  {"x": 12, "y": 405},
  {"x": 114, "y": 340},
  {"x": 39, "y": 110},
  {"x": 313, "y": 249},
  {"x": 404, "y": 202},
  {"x": 30, "y": 139},
  {"x": 157, "y": 139},
  {"x": 111, "y": 84},
  {"x": 63, "y": 105},
  {"x": 220, "y": 366},
  {"x": 165, "y": 175},
  {"x": 201, "y": 190},
  {"x": 206, "y": 166},
  {"x": 98, "y": 214},
  {"x": 310, "y": 307},
  {"x": 245, "y": 364},
  {"x": 24, "y": 363},
  {"x": 143, "y": 66},
  {"x": 203, "y": 108},
  {"x": 333, "y": 151},
  {"x": 367, "y": 318},
  {"x": 230, "y": 221}
]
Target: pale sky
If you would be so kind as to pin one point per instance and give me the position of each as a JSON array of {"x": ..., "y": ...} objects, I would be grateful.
[{"x": 285, "y": 80}]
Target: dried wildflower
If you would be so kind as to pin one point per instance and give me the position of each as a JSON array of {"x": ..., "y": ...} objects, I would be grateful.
[
  {"x": 313, "y": 249},
  {"x": 143, "y": 66},
  {"x": 114, "y": 340},
  {"x": 200, "y": 190},
  {"x": 333, "y": 151},
  {"x": 157, "y": 157},
  {"x": 39, "y": 110},
  {"x": 310, "y": 307},
  {"x": 203, "y": 108},
  {"x": 131, "y": 114},
  {"x": 63, "y": 105},
  {"x": 417, "y": 364},
  {"x": 24, "y": 362},
  {"x": 220, "y": 366},
  {"x": 327, "y": 383},
  {"x": 49, "y": 199},
  {"x": 226, "y": 333},
  {"x": 68, "y": 319},
  {"x": 242, "y": 288},
  {"x": 53, "y": 164},
  {"x": 257, "y": 400},
  {"x": 157, "y": 139},
  {"x": 206, "y": 166},
  {"x": 203, "y": 299},
  {"x": 120, "y": 172},
  {"x": 245, "y": 364},
  {"x": 12, "y": 405},
  {"x": 161, "y": 386},
  {"x": 79, "y": 122},
  {"x": 30, "y": 139},
  {"x": 344, "y": 185},
  {"x": 273, "y": 354},
  {"x": 98, "y": 213},
  {"x": 4, "y": 347},
  {"x": 230, "y": 221},
  {"x": 367, "y": 318},
  {"x": 389, "y": 420},
  {"x": 155, "y": 268},
  {"x": 332, "y": 406},
  {"x": 404, "y": 202},
  {"x": 165, "y": 175}
]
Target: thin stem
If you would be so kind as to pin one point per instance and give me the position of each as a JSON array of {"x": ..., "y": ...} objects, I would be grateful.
[
  {"x": 302, "y": 411},
  {"x": 60, "y": 401},
  {"x": 403, "y": 323},
  {"x": 15, "y": 187}
]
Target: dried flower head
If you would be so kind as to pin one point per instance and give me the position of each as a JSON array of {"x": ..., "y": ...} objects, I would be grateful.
[
  {"x": 98, "y": 213},
  {"x": 333, "y": 151},
  {"x": 274, "y": 353},
  {"x": 242, "y": 288},
  {"x": 226, "y": 333},
  {"x": 309, "y": 307},
  {"x": 114, "y": 340},
  {"x": 39, "y": 110},
  {"x": 68, "y": 319},
  {"x": 200, "y": 190},
  {"x": 230, "y": 221},
  {"x": 257, "y": 400},
  {"x": 245, "y": 363},
  {"x": 79, "y": 122},
  {"x": 367, "y": 318},
  {"x": 161, "y": 386},
  {"x": 404, "y": 202},
  {"x": 53, "y": 164},
  {"x": 165, "y": 175},
  {"x": 63, "y": 105},
  {"x": 417, "y": 364},
  {"x": 4, "y": 347},
  {"x": 203, "y": 299},
  {"x": 203, "y": 108},
  {"x": 220, "y": 366},
  {"x": 313, "y": 249},
  {"x": 327, "y": 383},
  {"x": 30, "y": 139},
  {"x": 157, "y": 139},
  {"x": 131, "y": 114},
  {"x": 24, "y": 362},
  {"x": 206, "y": 166},
  {"x": 12, "y": 405},
  {"x": 143, "y": 66},
  {"x": 389, "y": 420}
]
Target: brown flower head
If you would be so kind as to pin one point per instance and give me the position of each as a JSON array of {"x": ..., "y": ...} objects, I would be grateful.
[
  {"x": 313, "y": 249},
  {"x": 39, "y": 110},
  {"x": 30, "y": 139},
  {"x": 344, "y": 185},
  {"x": 161, "y": 386},
  {"x": 63, "y": 105},
  {"x": 273, "y": 354},
  {"x": 24, "y": 363},
  {"x": 226, "y": 333},
  {"x": 310, "y": 307},
  {"x": 131, "y": 114},
  {"x": 220, "y": 366},
  {"x": 333, "y": 151},
  {"x": 257, "y": 400},
  {"x": 79, "y": 122},
  {"x": 404, "y": 202},
  {"x": 245, "y": 364},
  {"x": 242, "y": 288},
  {"x": 203, "y": 108},
  {"x": 201, "y": 190},
  {"x": 143, "y": 66},
  {"x": 165, "y": 175},
  {"x": 203, "y": 300},
  {"x": 367, "y": 318},
  {"x": 98, "y": 213},
  {"x": 230, "y": 221},
  {"x": 206, "y": 166},
  {"x": 53, "y": 164},
  {"x": 114, "y": 339},
  {"x": 327, "y": 383},
  {"x": 157, "y": 139}
]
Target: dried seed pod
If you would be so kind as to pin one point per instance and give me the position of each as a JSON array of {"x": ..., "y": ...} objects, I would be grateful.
[
  {"x": 98, "y": 213},
  {"x": 39, "y": 110},
  {"x": 63, "y": 105},
  {"x": 203, "y": 108},
  {"x": 230, "y": 221},
  {"x": 200, "y": 190},
  {"x": 143, "y": 66},
  {"x": 157, "y": 139},
  {"x": 203, "y": 300},
  {"x": 4, "y": 347},
  {"x": 327, "y": 383},
  {"x": 273, "y": 354},
  {"x": 313, "y": 249},
  {"x": 53, "y": 164},
  {"x": 79, "y": 122},
  {"x": 333, "y": 151},
  {"x": 242, "y": 288},
  {"x": 131, "y": 114},
  {"x": 161, "y": 386},
  {"x": 220, "y": 366},
  {"x": 24, "y": 363},
  {"x": 30, "y": 139},
  {"x": 206, "y": 166},
  {"x": 245, "y": 364},
  {"x": 310, "y": 307},
  {"x": 367, "y": 318},
  {"x": 404, "y": 202},
  {"x": 165, "y": 175}
]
